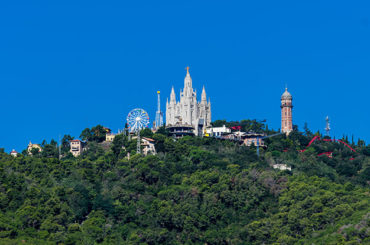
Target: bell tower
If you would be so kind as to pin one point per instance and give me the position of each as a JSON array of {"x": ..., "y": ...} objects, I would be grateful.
[{"x": 286, "y": 112}]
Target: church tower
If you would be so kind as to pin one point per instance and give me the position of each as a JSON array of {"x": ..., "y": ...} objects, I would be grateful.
[
  {"x": 188, "y": 111},
  {"x": 286, "y": 112}
]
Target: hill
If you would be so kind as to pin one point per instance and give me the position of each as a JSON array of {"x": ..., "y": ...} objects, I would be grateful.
[{"x": 194, "y": 191}]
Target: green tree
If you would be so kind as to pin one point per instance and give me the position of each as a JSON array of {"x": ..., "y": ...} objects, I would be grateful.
[{"x": 86, "y": 134}]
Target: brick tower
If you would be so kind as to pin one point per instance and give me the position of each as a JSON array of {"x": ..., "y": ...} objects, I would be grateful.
[{"x": 286, "y": 112}]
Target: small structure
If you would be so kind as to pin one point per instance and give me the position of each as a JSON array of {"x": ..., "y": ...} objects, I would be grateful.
[
  {"x": 33, "y": 146},
  {"x": 217, "y": 131},
  {"x": 14, "y": 153},
  {"x": 282, "y": 167},
  {"x": 181, "y": 130},
  {"x": 253, "y": 138},
  {"x": 148, "y": 146},
  {"x": 76, "y": 147},
  {"x": 109, "y": 137}
]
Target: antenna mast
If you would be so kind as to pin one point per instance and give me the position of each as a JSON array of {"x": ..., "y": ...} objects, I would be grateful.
[
  {"x": 327, "y": 128},
  {"x": 138, "y": 145},
  {"x": 59, "y": 148},
  {"x": 159, "y": 113}
]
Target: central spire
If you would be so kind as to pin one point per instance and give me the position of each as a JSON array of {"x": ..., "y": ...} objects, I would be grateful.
[
  {"x": 188, "y": 86},
  {"x": 204, "y": 96}
]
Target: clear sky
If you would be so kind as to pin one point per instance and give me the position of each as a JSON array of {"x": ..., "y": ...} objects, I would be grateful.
[{"x": 68, "y": 65}]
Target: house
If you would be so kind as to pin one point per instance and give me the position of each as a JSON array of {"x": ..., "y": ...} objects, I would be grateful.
[
  {"x": 33, "y": 146},
  {"x": 217, "y": 131},
  {"x": 14, "y": 153},
  {"x": 109, "y": 137},
  {"x": 148, "y": 146},
  {"x": 76, "y": 147}
]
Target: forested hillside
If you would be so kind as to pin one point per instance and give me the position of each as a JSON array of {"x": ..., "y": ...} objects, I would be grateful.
[{"x": 194, "y": 191}]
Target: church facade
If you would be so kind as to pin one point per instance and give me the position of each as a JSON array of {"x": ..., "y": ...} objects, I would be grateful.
[{"x": 188, "y": 111}]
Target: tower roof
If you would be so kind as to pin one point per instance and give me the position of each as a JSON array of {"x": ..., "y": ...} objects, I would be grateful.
[
  {"x": 286, "y": 95},
  {"x": 204, "y": 96}
]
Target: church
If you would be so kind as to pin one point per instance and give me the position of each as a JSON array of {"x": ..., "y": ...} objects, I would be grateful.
[{"x": 188, "y": 111}]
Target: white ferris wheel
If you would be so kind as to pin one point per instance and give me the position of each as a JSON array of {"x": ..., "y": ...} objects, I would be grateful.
[{"x": 137, "y": 119}]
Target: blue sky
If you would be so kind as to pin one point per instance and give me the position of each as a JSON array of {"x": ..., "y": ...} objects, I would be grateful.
[{"x": 68, "y": 65}]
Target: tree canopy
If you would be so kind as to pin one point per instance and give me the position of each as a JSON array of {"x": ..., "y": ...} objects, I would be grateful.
[{"x": 194, "y": 191}]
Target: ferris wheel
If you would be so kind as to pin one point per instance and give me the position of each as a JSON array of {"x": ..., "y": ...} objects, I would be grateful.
[{"x": 137, "y": 119}]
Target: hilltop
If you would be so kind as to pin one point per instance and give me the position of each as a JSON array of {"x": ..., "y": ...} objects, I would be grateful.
[{"x": 193, "y": 191}]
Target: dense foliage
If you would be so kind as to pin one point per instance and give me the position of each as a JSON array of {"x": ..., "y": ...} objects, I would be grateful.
[{"x": 194, "y": 191}]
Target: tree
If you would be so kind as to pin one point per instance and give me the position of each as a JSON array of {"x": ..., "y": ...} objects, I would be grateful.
[
  {"x": 98, "y": 133},
  {"x": 50, "y": 150},
  {"x": 307, "y": 131},
  {"x": 118, "y": 144},
  {"x": 35, "y": 151},
  {"x": 146, "y": 132},
  {"x": 66, "y": 143},
  {"x": 86, "y": 134}
]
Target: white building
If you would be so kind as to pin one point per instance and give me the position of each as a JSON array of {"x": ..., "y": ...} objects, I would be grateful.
[
  {"x": 76, "y": 147},
  {"x": 109, "y": 137},
  {"x": 218, "y": 131},
  {"x": 188, "y": 111},
  {"x": 282, "y": 167},
  {"x": 148, "y": 146},
  {"x": 14, "y": 153}
]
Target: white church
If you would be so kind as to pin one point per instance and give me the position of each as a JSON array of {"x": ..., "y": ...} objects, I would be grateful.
[{"x": 188, "y": 111}]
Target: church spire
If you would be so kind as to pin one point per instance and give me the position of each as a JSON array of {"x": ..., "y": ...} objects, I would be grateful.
[
  {"x": 204, "y": 96},
  {"x": 173, "y": 96},
  {"x": 188, "y": 86}
]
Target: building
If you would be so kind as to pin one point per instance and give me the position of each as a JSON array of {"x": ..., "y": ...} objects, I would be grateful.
[
  {"x": 148, "y": 146},
  {"x": 33, "y": 146},
  {"x": 14, "y": 153},
  {"x": 109, "y": 137},
  {"x": 286, "y": 112},
  {"x": 218, "y": 131},
  {"x": 253, "y": 138},
  {"x": 76, "y": 147},
  {"x": 282, "y": 167},
  {"x": 188, "y": 111},
  {"x": 180, "y": 130}
]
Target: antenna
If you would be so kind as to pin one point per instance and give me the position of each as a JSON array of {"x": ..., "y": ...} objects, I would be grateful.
[
  {"x": 159, "y": 113},
  {"x": 59, "y": 148},
  {"x": 138, "y": 146},
  {"x": 327, "y": 128}
]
